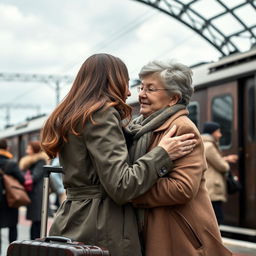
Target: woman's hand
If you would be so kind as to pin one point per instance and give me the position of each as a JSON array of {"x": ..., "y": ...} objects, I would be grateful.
[
  {"x": 231, "y": 158},
  {"x": 177, "y": 146}
]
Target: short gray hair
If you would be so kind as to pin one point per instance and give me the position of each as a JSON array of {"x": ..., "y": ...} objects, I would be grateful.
[{"x": 177, "y": 77}]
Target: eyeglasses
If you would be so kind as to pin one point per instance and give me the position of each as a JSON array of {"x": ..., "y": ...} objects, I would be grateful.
[{"x": 149, "y": 89}]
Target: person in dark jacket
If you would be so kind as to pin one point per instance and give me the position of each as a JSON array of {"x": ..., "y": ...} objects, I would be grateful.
[
  {"x": 34, "y": 162},
  {"x": 8, "y": 216}
]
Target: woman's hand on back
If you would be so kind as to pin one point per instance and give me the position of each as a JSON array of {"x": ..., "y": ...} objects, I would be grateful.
[{"x": 177, "y": 146}]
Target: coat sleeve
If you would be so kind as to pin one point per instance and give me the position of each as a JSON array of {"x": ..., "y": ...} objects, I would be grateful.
[
  {"x": 184, "y": 180},
  {"x": 38, "y": 172},
  {"x": 215, "y": 159},
  {"x": 108, "y": 152}
]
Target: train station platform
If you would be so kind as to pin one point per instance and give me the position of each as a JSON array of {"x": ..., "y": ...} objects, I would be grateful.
[{"x": 239, "y": 248}]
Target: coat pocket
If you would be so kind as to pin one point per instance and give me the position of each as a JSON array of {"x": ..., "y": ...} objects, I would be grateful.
[
  {"x": 187, "y": 229},
  {"x": 218, "y": 188}
]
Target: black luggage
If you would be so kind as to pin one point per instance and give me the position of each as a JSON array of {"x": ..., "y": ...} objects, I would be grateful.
[{"x": 52, "y": 245}]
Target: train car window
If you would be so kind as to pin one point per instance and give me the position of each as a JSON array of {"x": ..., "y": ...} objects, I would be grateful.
[
  {"x": 222, "y": 113},
  {"x": 251, "y": 109},
  {"x": 22, "y": 147},
  {"x": 34, "y": 136},
  {"x": 193, "y": 109},
  {"x": 13, "y": 146}
]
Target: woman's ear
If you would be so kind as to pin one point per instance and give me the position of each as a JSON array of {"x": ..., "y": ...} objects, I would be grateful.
[{"x": 174, "y": 100}]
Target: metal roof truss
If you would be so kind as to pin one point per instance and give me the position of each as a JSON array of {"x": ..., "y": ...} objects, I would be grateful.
[{"x": 223, "y": 23}]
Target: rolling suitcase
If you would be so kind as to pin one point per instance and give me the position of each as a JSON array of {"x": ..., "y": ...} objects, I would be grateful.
[{"x": 52, "y": 245}]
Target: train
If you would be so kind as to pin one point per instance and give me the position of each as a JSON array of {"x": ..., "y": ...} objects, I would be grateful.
[{"x": 224, "y": 92}]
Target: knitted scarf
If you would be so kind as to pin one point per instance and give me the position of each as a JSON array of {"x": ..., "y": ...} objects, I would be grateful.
[{"x": 142, "y": 130}]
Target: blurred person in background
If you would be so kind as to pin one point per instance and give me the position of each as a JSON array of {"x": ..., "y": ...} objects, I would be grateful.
[
  {"x": 176, "y": 218},
  {"x": 8, "y": 216},
  {"x": 218, "y": 166},
  {"x": 33, "y": 162},
  {"x": 57, "y": 184}
]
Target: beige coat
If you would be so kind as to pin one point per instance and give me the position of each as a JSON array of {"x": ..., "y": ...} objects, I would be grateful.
[
  {"x": 217, "y": 168},
  {"x": 100, "y": 182},
  {"x": 179, "y": 215}
]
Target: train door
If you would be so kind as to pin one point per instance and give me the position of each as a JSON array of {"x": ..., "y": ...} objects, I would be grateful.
[
  {"x": 249, "y": 152},
  {"x": 21, "y": 151},
  {"x": 222, "y": 107}
]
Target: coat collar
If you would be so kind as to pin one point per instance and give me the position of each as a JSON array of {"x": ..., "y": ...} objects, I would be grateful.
[
  {"x": 167, "y": 124},
  {"x": 5, "y": 153},
  {"x": 28, "y": 160},
  {"x": 209, "y": 138}
]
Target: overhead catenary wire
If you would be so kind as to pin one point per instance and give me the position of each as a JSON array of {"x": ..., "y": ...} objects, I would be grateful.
[
  {"x": 164, "y": 53},
  {"x": 116, "y": 35}
]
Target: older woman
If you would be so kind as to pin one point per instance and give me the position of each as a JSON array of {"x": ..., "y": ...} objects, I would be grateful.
[{"x": 178, "y": 218}]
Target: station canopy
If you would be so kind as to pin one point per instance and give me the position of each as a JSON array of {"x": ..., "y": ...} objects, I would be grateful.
[{"x": 229, "y": 25}]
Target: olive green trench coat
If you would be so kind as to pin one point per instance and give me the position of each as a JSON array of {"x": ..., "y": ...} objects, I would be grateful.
[{"x": 100, "y": 183}]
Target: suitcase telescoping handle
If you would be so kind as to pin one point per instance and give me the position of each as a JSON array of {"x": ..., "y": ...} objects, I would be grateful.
[
  {"x": 48, "y": 169},
  {"x": 61, "y": 239}
]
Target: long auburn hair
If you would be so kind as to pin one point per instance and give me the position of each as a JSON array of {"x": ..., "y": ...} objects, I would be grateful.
[{"x": 102, "y": 81}]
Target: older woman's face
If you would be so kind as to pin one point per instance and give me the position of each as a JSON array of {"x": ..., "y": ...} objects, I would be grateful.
[{"x": 150, "y": 100}]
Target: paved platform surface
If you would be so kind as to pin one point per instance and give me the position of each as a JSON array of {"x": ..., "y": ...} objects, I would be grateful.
[{"x": 239, "y": 248}]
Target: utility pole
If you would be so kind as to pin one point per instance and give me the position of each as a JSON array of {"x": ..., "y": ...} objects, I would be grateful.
[
  {"x": 49, "y": 80},
  {"x": 57, "y": 80},
  {"x": 57, "y": 92}
]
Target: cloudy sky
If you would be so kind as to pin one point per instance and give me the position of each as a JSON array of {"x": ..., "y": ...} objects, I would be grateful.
[{"x": 55, "y": 37}]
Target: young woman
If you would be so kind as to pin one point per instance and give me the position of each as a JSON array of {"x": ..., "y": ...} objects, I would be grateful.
[{"x": 86, "y": 130}]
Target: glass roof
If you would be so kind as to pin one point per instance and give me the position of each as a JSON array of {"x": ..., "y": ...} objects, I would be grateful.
[{"x": 230, "y": 26}]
